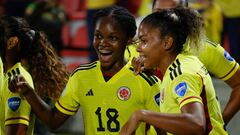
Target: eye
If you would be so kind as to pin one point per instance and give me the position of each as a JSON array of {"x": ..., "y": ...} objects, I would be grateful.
[
  {"x": 143, "y": 41},
  {"x": 113, "y": 38},
  {"x": 97, "y": 36}
]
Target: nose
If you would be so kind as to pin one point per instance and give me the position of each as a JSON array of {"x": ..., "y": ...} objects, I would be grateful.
[{"x": 103, "y": 42}]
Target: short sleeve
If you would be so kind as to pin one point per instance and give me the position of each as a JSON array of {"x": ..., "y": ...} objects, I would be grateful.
[
  {"x": 186, "y": 88},
  {"x": 17, "y": 110},
  {"x": 67, "y": 103},
  {"x": 218, "y": 61}
]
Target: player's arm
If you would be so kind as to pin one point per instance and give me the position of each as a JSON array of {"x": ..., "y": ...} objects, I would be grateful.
[
  {"x": 233, "y": 105},
  {"x": 190, "y": 121},
  {"x": 16, "y": 129},
  {"x": 220, "y": 64},
  {"x": 51, "y": 117}
]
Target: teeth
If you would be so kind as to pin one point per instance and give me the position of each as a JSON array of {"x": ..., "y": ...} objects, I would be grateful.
[{"x": 104, "y": 51}]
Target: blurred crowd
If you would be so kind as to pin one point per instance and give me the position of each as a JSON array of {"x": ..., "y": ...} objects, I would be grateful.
[{"x": 69, "y": 23}]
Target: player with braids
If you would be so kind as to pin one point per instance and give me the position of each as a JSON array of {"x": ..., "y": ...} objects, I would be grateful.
[
  {"x": 188, "y": 103},
  {"x": 29, "y": 53},
  {"x": 106, "y": 90}
]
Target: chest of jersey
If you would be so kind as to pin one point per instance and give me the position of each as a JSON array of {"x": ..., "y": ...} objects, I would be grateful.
[
  {"x": 106, "y": 106},
  {"x": 120, "y": 93}
]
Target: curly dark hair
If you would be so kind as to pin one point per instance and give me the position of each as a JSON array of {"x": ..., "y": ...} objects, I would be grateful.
[
  {"x": 46, "y": 68},
  {"x": 183, "y": 24}
]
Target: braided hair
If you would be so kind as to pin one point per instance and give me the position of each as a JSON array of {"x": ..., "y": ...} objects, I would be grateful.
[{"x": 123, "y": 17}]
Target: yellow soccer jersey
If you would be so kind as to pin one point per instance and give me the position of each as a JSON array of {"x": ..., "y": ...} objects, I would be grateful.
[
  {"x": 106, "y": 106},
  {"x": 213, "y": 22},
  {"x": 230, "y": 8},
  {"x": 14, "y": 108},
  {"x": 98, "y": 4},
  {"x": 218, "y": 61},
  {"x": 131, "y": 52},
  {"x": 187, "y": 80}
]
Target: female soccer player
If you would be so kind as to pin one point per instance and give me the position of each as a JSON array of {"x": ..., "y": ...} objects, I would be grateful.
[
  {"x": 219, "y": 64},
  {"x": 107, "y": 90},
  {"x": 26, "y": 52},
  {"x": 217, "y": 61},
  {"x": 188, "y": 103}
]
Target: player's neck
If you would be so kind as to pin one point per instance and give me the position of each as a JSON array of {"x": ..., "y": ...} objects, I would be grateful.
[
  {"x": 165, "y": 62},
  {"x": 109, "y": 72}
]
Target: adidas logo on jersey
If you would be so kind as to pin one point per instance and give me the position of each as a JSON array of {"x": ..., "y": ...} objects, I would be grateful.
[
  {"x": 89, "y": 93},
  {"x": 13, "y": 73}
]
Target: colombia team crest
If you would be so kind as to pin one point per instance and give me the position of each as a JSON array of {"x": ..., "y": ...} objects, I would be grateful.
[{"x": 124, "y": 93}]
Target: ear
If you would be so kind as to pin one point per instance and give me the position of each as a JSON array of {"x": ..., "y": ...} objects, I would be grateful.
[
  {"x": 12, "y": 42},
  {"x": 168, "y": 42}
]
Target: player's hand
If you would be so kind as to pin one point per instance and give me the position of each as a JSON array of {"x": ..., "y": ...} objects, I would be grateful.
[
  {"x": 131, "y": 126},
  {"x": 137, "y": 64},
  {"x": 18, "y": 84}
]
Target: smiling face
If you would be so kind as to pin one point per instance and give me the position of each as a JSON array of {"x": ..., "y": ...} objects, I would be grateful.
[
  {"x": 151, "y": 47},
  {"x": 109, "y": 42}
]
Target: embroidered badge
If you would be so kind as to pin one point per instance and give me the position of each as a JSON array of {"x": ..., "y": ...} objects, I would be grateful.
[
  {"x": 14, "y": 103},
  {"x": 228, "y": 56},
  {"x": 181, "y": 89},
  {"x": 124, "y": 93}
]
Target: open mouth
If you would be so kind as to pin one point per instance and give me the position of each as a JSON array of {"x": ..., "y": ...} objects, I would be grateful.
[{"x": 105, "y": 55}]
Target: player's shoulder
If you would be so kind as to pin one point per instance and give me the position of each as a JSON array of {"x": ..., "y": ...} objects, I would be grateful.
[
  {"x": 17, "y": 69},
  {"x": 175, "y": 69},
  {"x": 85, "y": 68},
  {"x": 184, "y": 64},
  {"x": 210, "y": 49},
  {"x": 150, "y": 78},
  {"x": 210, "y": 43}
]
